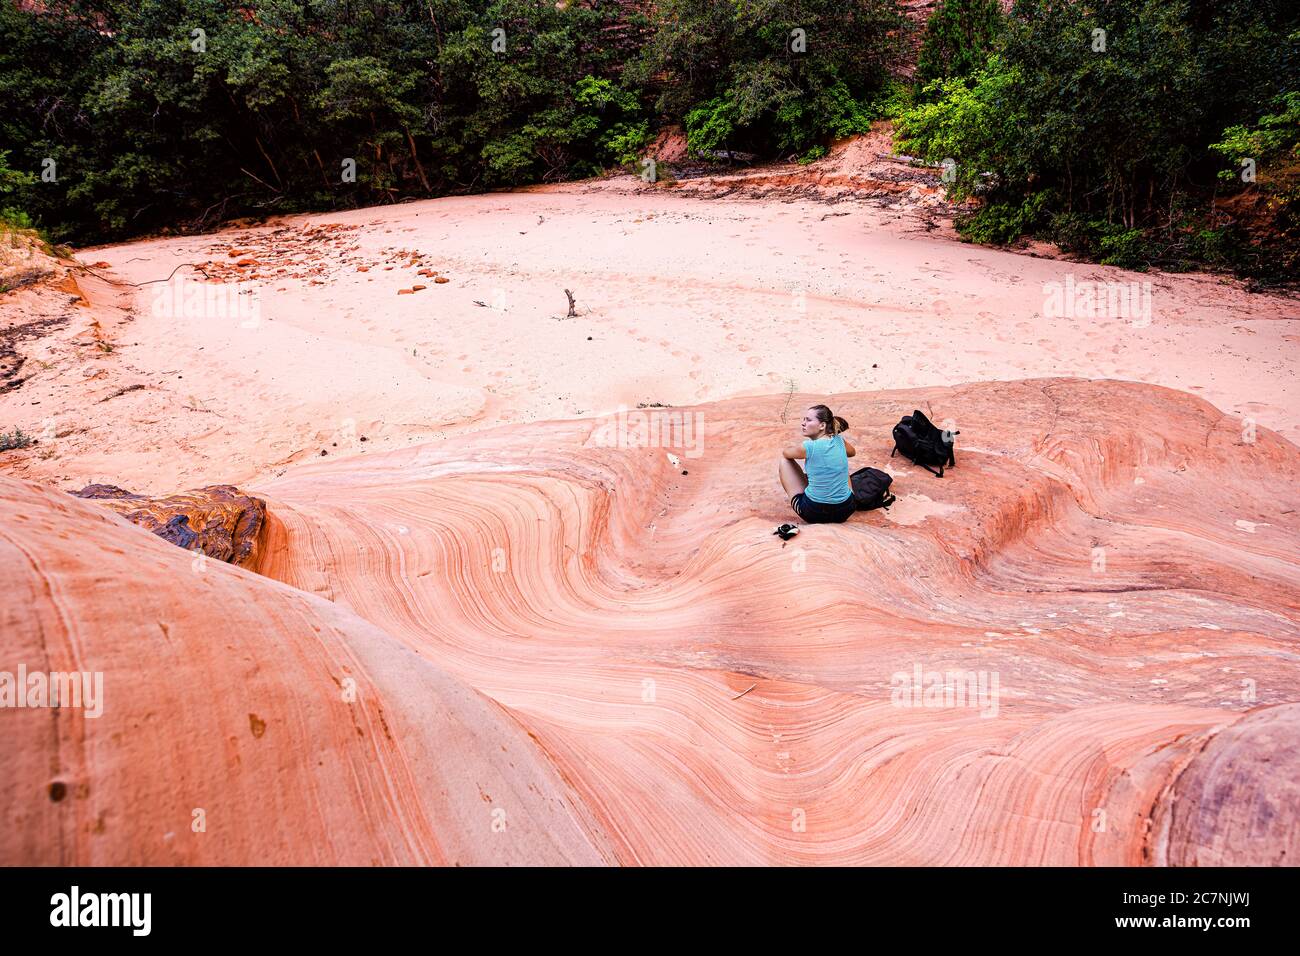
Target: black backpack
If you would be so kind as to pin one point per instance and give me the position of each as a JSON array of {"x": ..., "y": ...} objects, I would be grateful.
[
  {"x": 917, "y": 438},
  {"x": 871, "y": 489}
]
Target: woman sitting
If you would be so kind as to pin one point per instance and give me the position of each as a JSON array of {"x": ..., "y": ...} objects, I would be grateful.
[{"x": 823, "y": 494}]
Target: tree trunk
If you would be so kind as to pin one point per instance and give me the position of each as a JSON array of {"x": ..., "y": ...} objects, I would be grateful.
[{"x": 416, "y": 159}]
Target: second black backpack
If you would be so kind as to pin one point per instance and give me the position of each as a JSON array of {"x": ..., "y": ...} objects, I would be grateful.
[
  {"x": 917, "y": 438},
  {"x": 871, "y": 489}
]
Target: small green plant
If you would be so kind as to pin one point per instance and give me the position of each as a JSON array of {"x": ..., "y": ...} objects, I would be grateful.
[
  {"x": 1274, "y": 133},
  {"x": 1000, "y": 223},
  {"x": 1126, "y": 248},
  {"x": 624, "y": 144},
  {"x": 1222, "y": 246},
  {"x": 15, "y": 219},
  {"x": 709, "y": 126},
  {"x": 896, "y": 99},
  {"x": 15, "y": 439},
  {"x": 12, "y": 181}
]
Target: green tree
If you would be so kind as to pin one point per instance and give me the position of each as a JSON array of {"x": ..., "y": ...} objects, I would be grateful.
[
  {"x": 768, "y": 75},
  {"x": 1094, "y": 122},
  {"x": 959, "y": 35}
]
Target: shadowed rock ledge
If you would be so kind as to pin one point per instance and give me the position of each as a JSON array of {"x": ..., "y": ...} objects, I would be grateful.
[{"x": 218, "y": 520}]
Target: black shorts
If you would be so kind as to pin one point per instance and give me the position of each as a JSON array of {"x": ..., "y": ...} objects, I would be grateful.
[{"x": 814, "y": 512}]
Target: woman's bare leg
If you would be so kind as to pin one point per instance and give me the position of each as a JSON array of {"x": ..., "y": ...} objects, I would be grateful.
[{"x": 793, "y": 480}]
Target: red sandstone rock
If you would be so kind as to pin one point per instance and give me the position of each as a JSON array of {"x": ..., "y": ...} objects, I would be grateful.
[
  {"x": 242, "y": 721},
  {"x": 1237, "y": 801},
  {"x": 673, "y": 685},
  {"x": 617, "y": 609}
]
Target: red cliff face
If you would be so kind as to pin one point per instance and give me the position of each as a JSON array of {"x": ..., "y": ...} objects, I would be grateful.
[{"x": 550, "y": 643}]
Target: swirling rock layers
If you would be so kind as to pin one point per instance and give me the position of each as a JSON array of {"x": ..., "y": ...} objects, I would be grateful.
[
  {"x": 241, "y": 721},
  {"x": 1117, "y": 556},
  {"x": 1079, "y": 647}
]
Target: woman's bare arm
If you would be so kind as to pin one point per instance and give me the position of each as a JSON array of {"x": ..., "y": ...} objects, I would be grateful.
[
  {"x": 795, "y": 451},
  {"x": 849, "y": 449}
]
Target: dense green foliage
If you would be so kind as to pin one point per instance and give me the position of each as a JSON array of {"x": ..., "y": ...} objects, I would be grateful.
[
  {"x": 757, "y": 74},
  {"x": 139, "y": 122},
  {"x": 1105, "y": 142},
  {"x": 1135, "y": 132},
  {"x": 149, "y": 123},
  {"x": 1275, "y": 136},
  {"x": 958, "y": 38},
  {"x": 11, "y": 181}
]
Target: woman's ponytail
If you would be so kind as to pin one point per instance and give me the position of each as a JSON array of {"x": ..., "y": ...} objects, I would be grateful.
[{"x": 834, "y": 424}]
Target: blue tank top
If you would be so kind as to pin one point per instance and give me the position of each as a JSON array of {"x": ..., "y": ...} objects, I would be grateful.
[{"x": 828, "y": 470}]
